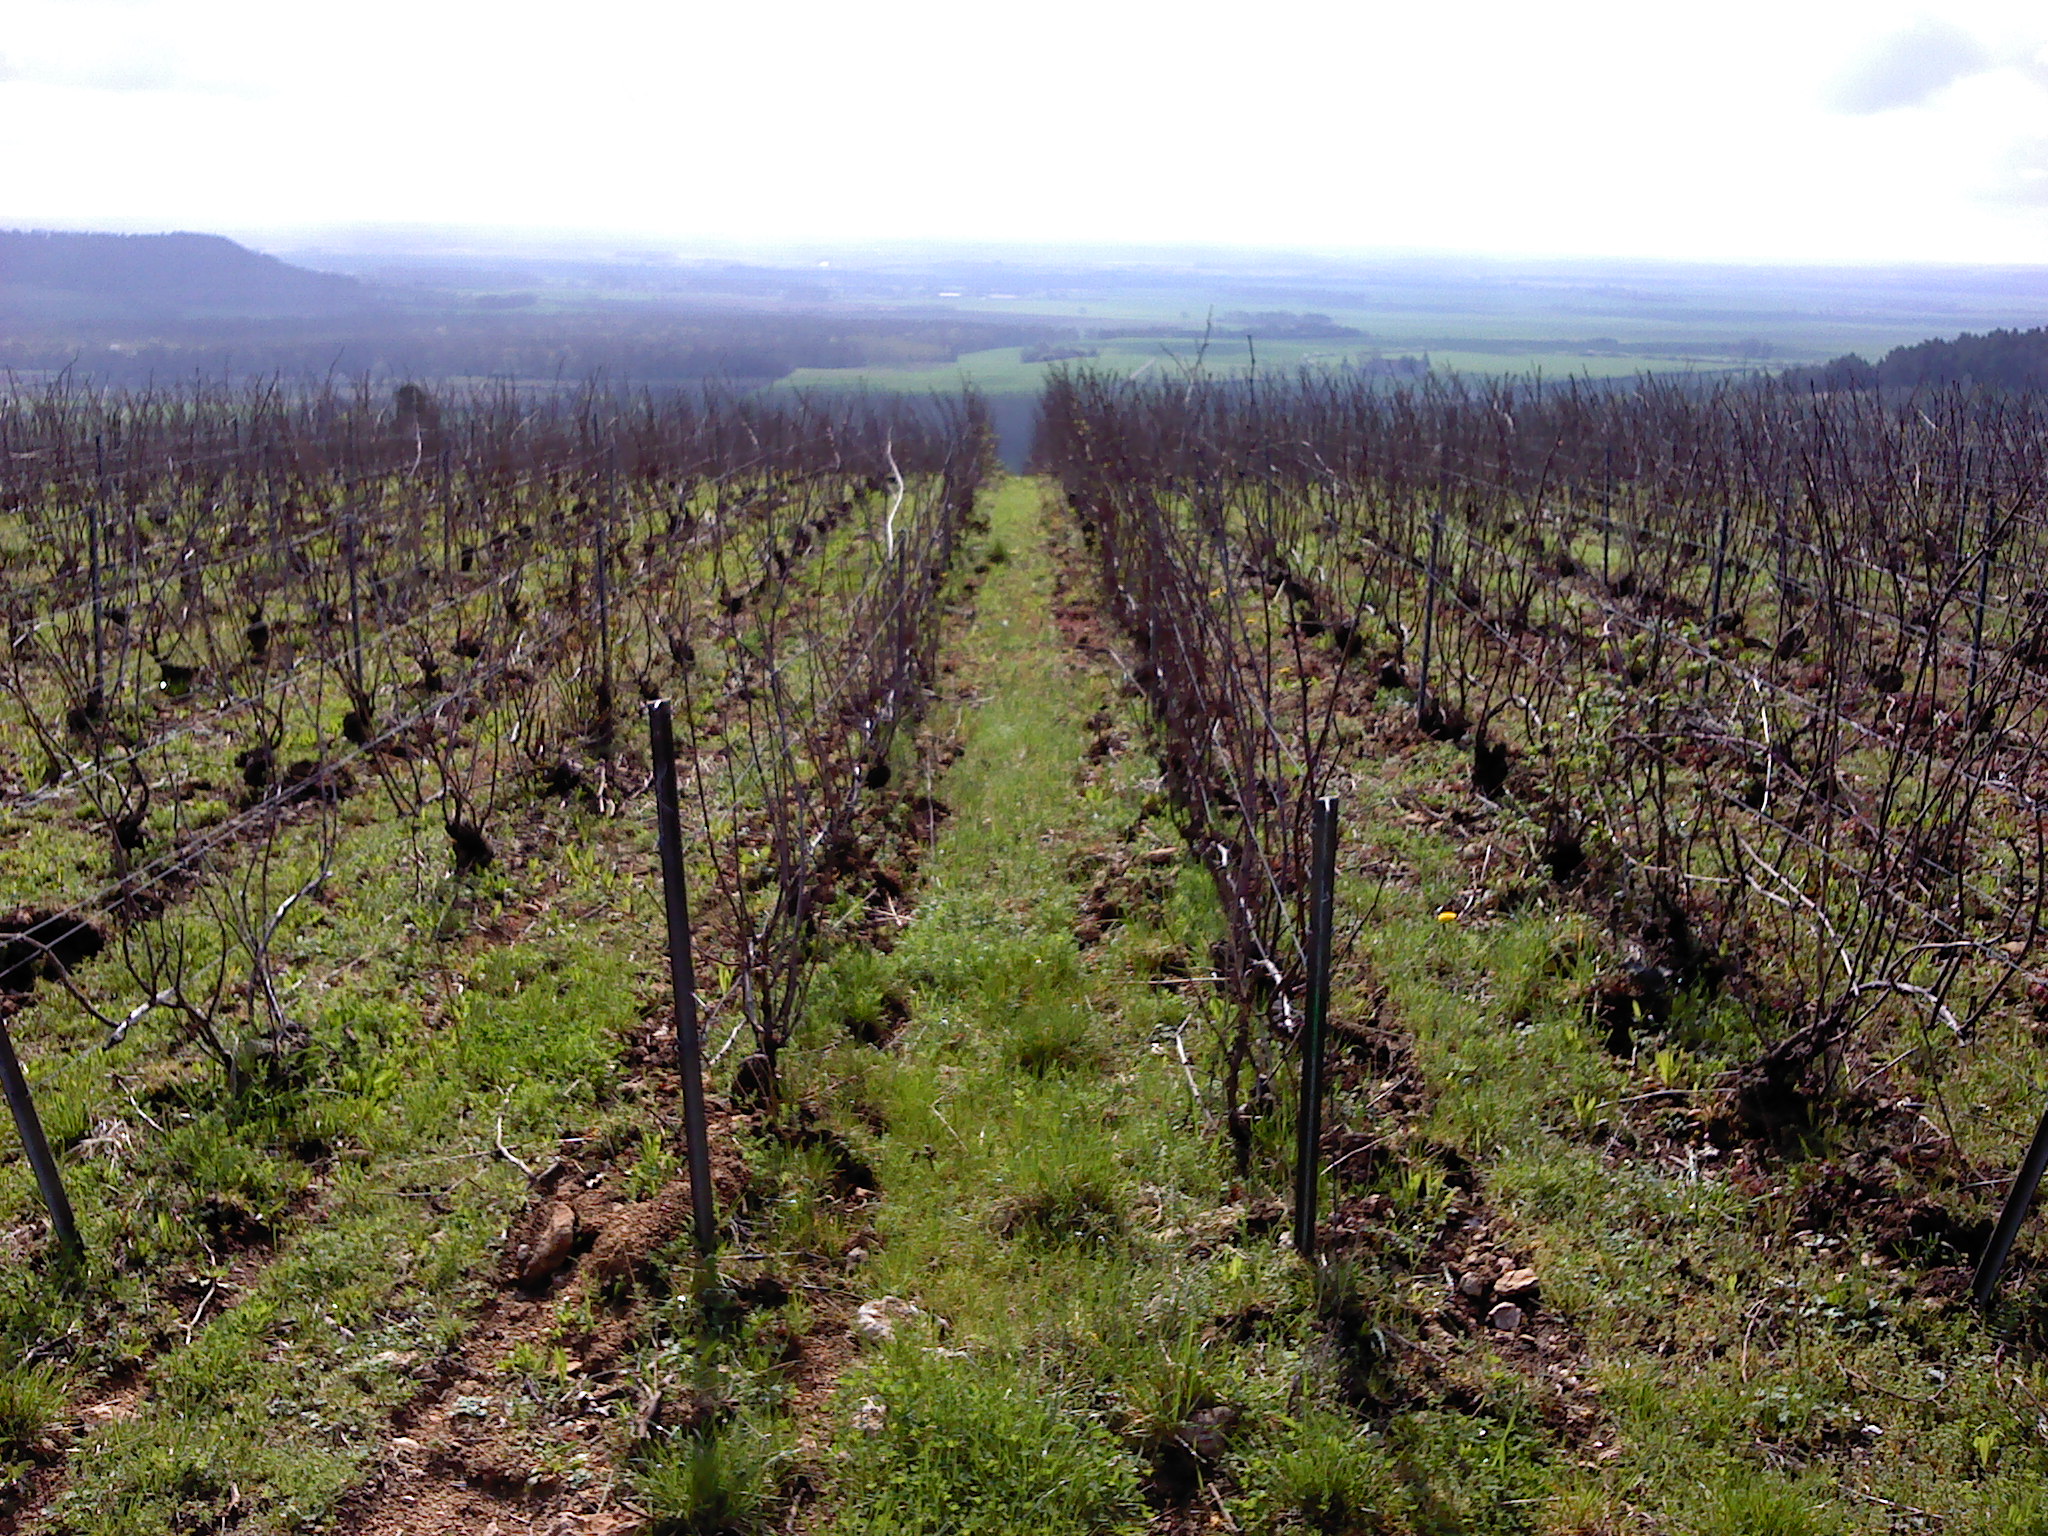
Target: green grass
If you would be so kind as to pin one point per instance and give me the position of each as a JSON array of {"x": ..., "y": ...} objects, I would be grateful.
[
  {"x": 1052, "y": 1189},
  {"x": 971, "y": 1446},
  {"x": 720, "y": 1482},
  {"x": 281, "y": 1392},
  {"x": 1000, "y": 371},
  {"x": 31, "y": 1397},
  {"x": 1046, "y": 1172},
  {"x": 1327, "y": 1473},
  {"x": 1101, "y": 1290}
]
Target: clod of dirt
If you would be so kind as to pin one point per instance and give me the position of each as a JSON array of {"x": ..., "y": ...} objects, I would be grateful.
[
  {"x": 633, "y": 1233},
  {"x": 753, "y": 1085},
  {"x": 566, "y": 778},
  {"x": 258, "y": 765},
  {"x": 37, "y": 944},
  {"x": 308, "y": 779},
  {"x": 1357, "y": 1157},
  {"x": 1184, "y": 1454},
  {"x": 231, "y": 1222},
  {"x": 1614, "y": 1015},
  {"x": 82, "y": 718},
  {"x": 762, "y": 1291},
  {"x": 1926, "y": 1227},
  {"x": 1774, "y": 1096},
  {"x": 888, "y": 887},
  {"x": 881, "y": 1026},
  {"x": 1489, "y": 765},
  {"x": 1563, "y": 852},
  {"x": 473, "y": 851},
  {"x": 550, "y": 1247},
  {"x": 1442, "y": 722},
  {"x": 1207, "y": 1431},
  {"x": 852, "y": 1175}
]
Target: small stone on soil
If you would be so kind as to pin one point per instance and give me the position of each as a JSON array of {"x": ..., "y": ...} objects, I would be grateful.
[
  {"x": 551, "y": 1248},
  {"x": 1506, "y": 1317},
  {"x": 1515, "y": 1282},
  {"x": 1206, "y": 1434}
]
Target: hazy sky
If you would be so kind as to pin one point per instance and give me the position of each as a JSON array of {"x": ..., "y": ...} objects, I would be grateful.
[{"x": 1748, "y": 128}]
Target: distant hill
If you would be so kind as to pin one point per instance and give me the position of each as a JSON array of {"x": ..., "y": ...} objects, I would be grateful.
[
  {"x": 1997, "y": 359},
  {"x": 54, "y": 278}
]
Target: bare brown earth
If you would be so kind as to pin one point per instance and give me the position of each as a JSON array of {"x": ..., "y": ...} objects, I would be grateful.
[{"x": 463, "y": 1459}]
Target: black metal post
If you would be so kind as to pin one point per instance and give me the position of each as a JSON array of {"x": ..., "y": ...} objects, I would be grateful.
[
  {"x": 604, "y": 723},
  {"x": 682, "y": 972},
  {"x": 1423, "y": 707},
  {"x": 1309, "y": 1120},
  {"x": 447, "y": 514},
  {"x": 1783, "y": 550},
  {"x": 1720, "y": 564},
  {"x": 2018, "y": 1201},
  {"x": 36, "y": 1147},
  {"x": 96, "y": 695},
  {"x": 1977, "y": 614},
  {"x": 1606, "y": 520},
  {"x": 355, "y": 616}
]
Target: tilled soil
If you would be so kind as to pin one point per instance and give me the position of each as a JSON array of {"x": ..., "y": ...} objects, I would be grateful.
[{"x": 465, "y": 1455}]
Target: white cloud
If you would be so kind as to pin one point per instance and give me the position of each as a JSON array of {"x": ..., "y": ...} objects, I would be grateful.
[
  {"x": 1909, "y": 68},
  {"x": 2021, "y": 176},
  {"x": 125, "y": 45}
]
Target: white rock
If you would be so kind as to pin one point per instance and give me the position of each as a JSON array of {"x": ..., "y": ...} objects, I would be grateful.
[
  {"x": 875, "y": 1321},
  {"x": 871, "y": 1416},
  {"x": 1507, "y": 1317}
]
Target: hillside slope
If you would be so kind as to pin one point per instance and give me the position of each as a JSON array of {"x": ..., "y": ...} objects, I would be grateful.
[
  {"x": 50, "y": 276},
  {"x": 2000, "y": 359}
]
